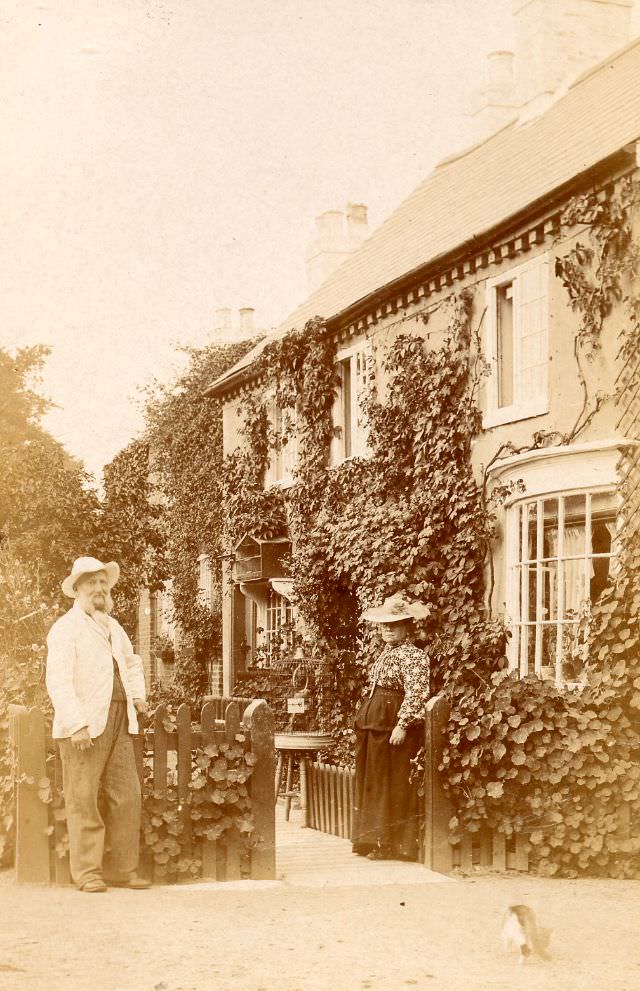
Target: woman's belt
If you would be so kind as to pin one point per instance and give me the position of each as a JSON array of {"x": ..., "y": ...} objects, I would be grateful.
[{"x": 387, "y": 691}]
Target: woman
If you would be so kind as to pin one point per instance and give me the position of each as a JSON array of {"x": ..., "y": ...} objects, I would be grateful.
[{"x": 389, "y": 733}]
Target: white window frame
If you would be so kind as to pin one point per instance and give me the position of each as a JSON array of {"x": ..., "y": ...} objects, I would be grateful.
[
  {"x": 591, "y": 466},
  {"x": 282, "y": 460},
  {"x": 356, "y": 367},
  {"x": 523, "y": 406},
  {"x": 205, "y": 581},
  {"x": 519, "y": 571},
  {"x": 164, "y": 612}
]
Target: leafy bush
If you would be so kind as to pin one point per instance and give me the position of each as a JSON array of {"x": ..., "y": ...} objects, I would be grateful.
[{"x": 24, "y": 621}]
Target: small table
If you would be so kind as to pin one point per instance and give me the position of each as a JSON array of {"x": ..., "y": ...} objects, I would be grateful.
[{"x": 300, "y": 747}]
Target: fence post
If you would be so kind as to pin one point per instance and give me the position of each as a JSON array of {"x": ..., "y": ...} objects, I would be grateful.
[
  {"x": 258, "y": 718},
  {"x": 183, "y": 726},
  {"x": 438, "y": 808},
  {"x": 32, "y": 814}
]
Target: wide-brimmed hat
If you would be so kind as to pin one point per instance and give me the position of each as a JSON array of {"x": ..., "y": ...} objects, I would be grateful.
[
  {"x": 87, "y": 566},
  {"x": 395, "y": 609}
]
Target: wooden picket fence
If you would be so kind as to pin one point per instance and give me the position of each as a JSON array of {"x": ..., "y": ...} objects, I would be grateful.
[
  {"x": 40, "y": 853},
  {"x": 330, "y": 810},
  {"x": 330, "y": 799}
]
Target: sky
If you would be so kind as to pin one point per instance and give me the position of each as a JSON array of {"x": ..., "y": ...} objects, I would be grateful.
[{"x": 163, "y": 159}]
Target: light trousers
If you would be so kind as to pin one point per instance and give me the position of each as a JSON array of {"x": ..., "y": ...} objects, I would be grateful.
[{"x": 102, "y": 801}]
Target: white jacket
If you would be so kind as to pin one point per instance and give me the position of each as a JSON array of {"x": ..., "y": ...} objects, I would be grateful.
[{"x": 80, "y": 673}]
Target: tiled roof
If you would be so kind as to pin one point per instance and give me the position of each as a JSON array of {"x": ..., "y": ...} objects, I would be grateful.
[{"x": 469, "y": 194}]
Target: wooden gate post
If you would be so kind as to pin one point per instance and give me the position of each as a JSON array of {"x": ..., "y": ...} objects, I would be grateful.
[
  {"x": 32, "y": 815},
  {"x": 438, "y": 808},
  {"x": 258, "y": 719}
]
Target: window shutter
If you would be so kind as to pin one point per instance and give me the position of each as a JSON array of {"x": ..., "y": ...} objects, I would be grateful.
[
  {"x": 532, "y": 332},
  {"x": 336, "y": 453},
  {"x": 361, "y": 377}
]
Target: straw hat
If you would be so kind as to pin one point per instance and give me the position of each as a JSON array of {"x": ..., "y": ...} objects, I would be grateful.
[
  {"x": 395, "y": 609},
  {"x": 88, "y": 566}
]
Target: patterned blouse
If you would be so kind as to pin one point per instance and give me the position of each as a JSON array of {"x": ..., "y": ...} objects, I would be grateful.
[{"x": 405, "y": 667}]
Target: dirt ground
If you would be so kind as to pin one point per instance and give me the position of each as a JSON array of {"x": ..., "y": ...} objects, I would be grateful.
[{"x": 277, "y": 937}]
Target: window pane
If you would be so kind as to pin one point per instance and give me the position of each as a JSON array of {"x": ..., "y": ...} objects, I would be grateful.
[
  {"x": 549, "y": 580},
  {"x": 574, "y": 587},
  {"x": 533, "y": 590},
  {"x": 517, "y": 537},
  {"x": 529, "y": 649},
  {"x": 574, "y": 515},
  {"x": 504, "y": 312},
  {"x": 345, "y": 369},
  {"x": 549, "y": 634},
  {"x": 532, "y": 532},
  {"x": 550, "y": 540},
  {"x": 603, "y": 529},
  {"x": 571, "y": 660}
]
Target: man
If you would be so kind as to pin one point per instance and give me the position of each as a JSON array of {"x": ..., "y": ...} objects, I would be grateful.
[{"x": 96, "y": 685}]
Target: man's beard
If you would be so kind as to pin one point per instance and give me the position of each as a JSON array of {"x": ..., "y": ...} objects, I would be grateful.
[{"x": 98, "y": 603}]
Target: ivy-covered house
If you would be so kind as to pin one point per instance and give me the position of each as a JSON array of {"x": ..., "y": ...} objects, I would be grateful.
[{"x": 514, "y": 258}]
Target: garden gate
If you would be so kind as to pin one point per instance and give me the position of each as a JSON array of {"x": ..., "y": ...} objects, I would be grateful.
[{"x": 41, "y": 854}]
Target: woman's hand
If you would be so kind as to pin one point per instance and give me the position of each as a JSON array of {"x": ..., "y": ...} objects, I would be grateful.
[{"x": 398, "y": 736}]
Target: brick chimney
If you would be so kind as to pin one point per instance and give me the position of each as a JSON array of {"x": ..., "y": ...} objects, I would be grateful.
[
  {"x": 223, "y": 320},
  {"x": 556, "y": 40},
  {"x": 357, "y": 223},
  {"x": 247, "y": 326},
  {"x": 335, "y": 237},
  {"x": 494, "y": 104}
]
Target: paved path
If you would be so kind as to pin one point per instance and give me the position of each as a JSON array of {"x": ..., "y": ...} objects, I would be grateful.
[{"x": 308, "y": 858}]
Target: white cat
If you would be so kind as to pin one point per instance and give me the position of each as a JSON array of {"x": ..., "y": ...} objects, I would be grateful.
[{"x": 520, "y": 932}]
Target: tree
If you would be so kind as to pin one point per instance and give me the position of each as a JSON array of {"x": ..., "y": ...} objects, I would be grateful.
[
  {"x": 163, "y": 507},
  {"x": 48, "y": 507},
  {"x": 132, "y": 527}
]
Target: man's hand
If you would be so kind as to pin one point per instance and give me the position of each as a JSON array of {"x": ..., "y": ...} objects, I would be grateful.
[
  {"x": 81, "y": 739},
  {"x": 398, "y": 736},
  {"x": 140, "y": 706}
]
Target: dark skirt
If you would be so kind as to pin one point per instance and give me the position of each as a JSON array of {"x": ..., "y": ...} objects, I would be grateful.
[{"x": 386, "y": 811}]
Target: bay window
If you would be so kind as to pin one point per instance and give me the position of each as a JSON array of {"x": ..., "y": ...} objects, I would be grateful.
[
  {"x": 559, "y": 551},
  {"x": 562, "y": 555}
]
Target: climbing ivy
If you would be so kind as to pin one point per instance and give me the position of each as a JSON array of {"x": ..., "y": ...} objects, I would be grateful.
[
  {"x": 217, "y": 805},
  {"x": 520, "y": 755},
  {"x": 409, "y": 516},
  {"x": 523, "y": 756},
  {"x": 179, "y": 477}
]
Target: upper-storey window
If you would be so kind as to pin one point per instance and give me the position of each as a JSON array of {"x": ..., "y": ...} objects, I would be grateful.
[
  {"x": 205, "y": 581},
  {"x": 517, "y": 343},
  {"x": 284, "y": 456},
  {"x": 355, "y": 371}
]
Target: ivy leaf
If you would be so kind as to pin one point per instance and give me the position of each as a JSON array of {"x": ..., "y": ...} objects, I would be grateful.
[{"x": 495, "y": 789}]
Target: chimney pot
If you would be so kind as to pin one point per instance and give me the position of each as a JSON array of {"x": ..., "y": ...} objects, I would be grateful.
[{"x": 357, "y": 213}]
